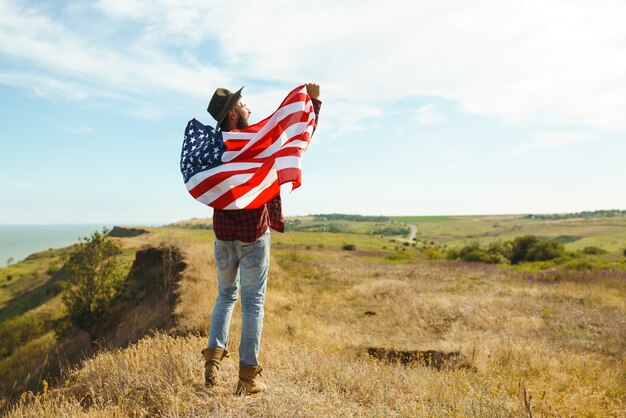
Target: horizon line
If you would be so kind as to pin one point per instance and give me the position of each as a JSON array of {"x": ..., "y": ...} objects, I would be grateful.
[{"x": 159, "y": 224}]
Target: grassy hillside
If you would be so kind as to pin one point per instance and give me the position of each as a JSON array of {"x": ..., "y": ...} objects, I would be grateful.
[
  {"x": 559, "y": 338},
  {"x": 18, "y": 280},
  {"x": 36, "y": 337},
  {"x": 608, "y": 232}
]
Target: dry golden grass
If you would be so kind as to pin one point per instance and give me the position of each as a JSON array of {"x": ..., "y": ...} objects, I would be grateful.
[
  {"x": 197, "y": 289},
  {"x": 564, "y": 343}
]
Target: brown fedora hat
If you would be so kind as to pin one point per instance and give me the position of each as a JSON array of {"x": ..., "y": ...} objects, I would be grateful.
[{"x": 222, "y": 101}]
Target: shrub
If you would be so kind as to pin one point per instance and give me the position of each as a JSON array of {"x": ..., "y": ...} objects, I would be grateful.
[
  {"x": 520, "y": 248},
  {"x": 526, "y": 248},
  {"x": 593, "y": 251},
  {"x": 94, "y": 282},
  {"x": 337, "y": 228},
  {"x": 531, "y": 248},
  {"x": 391, "y": 230},
  {"x": 495, "y": 253},
  {"x": 398, "y": 256},
  {"x": 18, "y": 331},
  {"x": 433, "y": 252},
  {"x": 348, "y": 247},
  {"x": 453, "y": 254},
  {"x": 501, "y": 250},
  {"x": 545, "y": 250},
  {"x": 52, "y": 269},
  {"x": 472, "y": 252}
]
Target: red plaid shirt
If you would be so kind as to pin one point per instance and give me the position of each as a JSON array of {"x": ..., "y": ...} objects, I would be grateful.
[{"x": 249, "y": 224}]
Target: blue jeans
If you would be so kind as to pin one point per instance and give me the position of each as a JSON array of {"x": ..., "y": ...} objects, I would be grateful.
[{"x": 245, "y": 265}]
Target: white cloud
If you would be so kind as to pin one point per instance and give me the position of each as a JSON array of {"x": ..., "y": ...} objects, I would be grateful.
[
  {"x": 525, "y": 63},
  {"x": 342, "y": 118},
  {"x": 429, "y": 115},
  {"x": 44, "y": 86},
  {"x": 551, "y": 139},
  {"x": 101, "y": 69}
]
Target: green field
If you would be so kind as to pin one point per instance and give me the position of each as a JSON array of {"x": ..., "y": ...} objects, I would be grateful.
[
  {"x": 607, "y": 232},
  {"x": 576, "y": 233}
]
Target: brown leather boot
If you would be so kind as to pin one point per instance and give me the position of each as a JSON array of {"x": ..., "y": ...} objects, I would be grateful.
[
  {"x": 247, "y": 384},
  {"x": 212, "y": 359}
]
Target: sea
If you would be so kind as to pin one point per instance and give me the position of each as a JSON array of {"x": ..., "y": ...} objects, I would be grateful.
[{"x": 19, "y": 241}]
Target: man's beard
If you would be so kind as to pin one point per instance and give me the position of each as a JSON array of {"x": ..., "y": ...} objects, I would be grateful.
[{"x": 242, "y": 123}]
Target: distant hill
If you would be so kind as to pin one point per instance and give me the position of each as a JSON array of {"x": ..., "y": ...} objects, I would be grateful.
[
  {"x": 194, "y": 223},
  {"x": 585, "y": 214},
  {"x": 348, "y": 217}
]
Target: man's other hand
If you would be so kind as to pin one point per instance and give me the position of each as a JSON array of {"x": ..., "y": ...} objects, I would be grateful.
[{"x": 313, "y": 90}]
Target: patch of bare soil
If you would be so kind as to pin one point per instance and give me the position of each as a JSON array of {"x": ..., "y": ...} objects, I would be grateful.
[{"x": 430, "y": 358}]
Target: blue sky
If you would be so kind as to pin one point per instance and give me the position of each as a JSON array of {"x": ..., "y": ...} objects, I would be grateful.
[{"x": 438, "y": 107}]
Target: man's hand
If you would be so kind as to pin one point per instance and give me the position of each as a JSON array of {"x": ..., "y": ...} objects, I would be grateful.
[{"x": 313, "y": 90}]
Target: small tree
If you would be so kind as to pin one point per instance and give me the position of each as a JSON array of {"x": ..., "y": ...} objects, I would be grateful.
[
  {"x": 472, "y": 253},
  {"x": 10, "y": 261},
  {"x": 494, "y": 253},
  {"x": 500, "y": 251},
  {"x": 520, "y": 248},
  {"x": 545, "y": 250},
  {"x": 531, "y": 248},
  {"x": 94, "y": 282},
  {"x": 593, "y": 250}
]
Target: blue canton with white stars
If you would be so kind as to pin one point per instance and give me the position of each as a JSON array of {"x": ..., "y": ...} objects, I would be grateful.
[{"x": 203, "y": 147}]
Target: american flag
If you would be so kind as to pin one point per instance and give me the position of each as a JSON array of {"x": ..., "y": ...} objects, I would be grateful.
[{"x": 244, "y": 168}]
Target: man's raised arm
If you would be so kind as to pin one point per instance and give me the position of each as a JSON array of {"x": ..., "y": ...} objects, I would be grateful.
[{"x": 313, "y": 90}]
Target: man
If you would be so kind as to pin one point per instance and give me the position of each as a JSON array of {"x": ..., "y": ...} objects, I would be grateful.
[{"x": 242, "y": 252}]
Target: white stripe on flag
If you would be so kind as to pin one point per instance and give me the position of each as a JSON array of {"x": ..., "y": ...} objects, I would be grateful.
[
  {"x": 227, "y": 136},
  {"x": 297, "y": 144},
  {"x": 245, "y": 200},
  {"x": 224, "y": 187},
  {"x": 287, "y": 162},
  {"x": 203, "y": 175}
]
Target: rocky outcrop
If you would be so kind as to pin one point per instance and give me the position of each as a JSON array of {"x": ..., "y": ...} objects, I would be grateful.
[{"x": 122, "y": 232}]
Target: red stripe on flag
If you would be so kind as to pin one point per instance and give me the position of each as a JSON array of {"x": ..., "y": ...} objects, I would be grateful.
[
  {"x": 290, "y": 174},
  {"x": 265, "y": 196},
  {"x": 288, "y": 152},
  {"x": 212, "y": 181},
  {"x": 235, "y": 144},
  {"x": 242, "y": 189}
]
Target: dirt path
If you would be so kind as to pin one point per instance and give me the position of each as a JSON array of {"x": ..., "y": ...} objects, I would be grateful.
[{"x": 413, "y": 232}]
